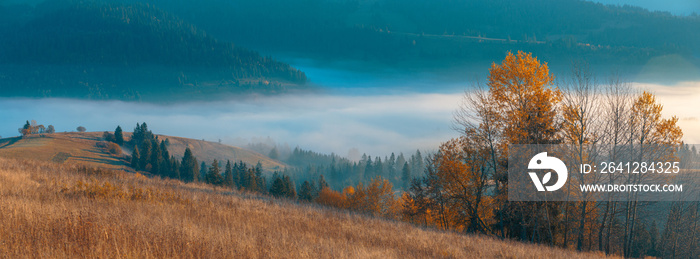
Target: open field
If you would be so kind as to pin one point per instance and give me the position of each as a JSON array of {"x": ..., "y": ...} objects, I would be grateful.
[
  {"x": 81, "y": 148},
  {"x": 211, "y": 150},
  {"x": 63, "y": 210},
  {"x": 74, "y": 148}
]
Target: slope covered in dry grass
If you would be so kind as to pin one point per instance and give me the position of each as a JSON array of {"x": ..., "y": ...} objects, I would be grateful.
[
  {"x": 81, "y": 148},
  {"x": 63, "y": 210},
  {"x": 211, "y": 150},
  {"x": 73, "y": 147}
]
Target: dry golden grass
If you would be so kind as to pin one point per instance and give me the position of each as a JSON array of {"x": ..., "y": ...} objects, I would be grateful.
[
  {"x": 83, "y": 149},
  {"x": 74, "y": 148},
  {"x": 50, "y": 210},
  {"x": 211, "y": 150}
]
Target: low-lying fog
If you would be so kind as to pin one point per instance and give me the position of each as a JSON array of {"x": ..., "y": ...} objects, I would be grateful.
[
  {"x": 374, "y": 116},
  {"x": 325, "y": 123}
]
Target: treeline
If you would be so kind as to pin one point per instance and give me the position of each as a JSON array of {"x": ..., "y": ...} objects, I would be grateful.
[
  {"x": 374, "y": 195},
  {"x": 151, "y": 155},
  {"x": 342, "y": 172},
  {"x": 34, "y": 128},
  {"x": 90, "y": 46}
]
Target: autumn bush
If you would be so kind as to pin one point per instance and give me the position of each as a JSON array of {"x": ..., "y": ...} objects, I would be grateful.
[
  {"x": 111, "y": 147},
  {"x": 114, "y": 148},
  {"x": 331, "y": 198}
]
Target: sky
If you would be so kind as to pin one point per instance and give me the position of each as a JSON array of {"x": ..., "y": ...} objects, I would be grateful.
[{"x": 677, "y": 7}]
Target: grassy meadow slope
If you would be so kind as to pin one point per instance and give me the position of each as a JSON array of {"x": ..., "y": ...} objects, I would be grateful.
[
  {"x": 211, "y": 150},
  {"x": 74, "y": 148},
  {"x": 81, "y": 148},
  {"x": 62, "y": 210}
]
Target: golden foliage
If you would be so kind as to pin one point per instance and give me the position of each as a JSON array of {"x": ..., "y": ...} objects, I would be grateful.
[
  {"x": 648, "y": 124},
  {"x": 521, "y": 89},
  {"x": 332, "y": 198},
  {"x": 377, "y": 198}
]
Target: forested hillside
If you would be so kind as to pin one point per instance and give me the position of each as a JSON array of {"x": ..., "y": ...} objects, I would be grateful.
[
  {"x": 110, "y": 50},
  {"x": 440, "y": 33}
]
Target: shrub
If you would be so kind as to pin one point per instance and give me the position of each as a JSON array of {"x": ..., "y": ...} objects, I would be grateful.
[
  {"x": 110, "y": 147},
  {"x": 108, "y": 136},
  {"x": 114, "y": 148}
]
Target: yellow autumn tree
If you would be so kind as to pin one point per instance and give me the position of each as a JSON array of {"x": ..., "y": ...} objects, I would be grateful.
[
  {"x": 526, "y": 103},
  {"x": 518, "y": 106},
  {"x": 375, "y": 198},
  {"x": 648, "y": 125},
  {"x": 521, "y": 86},
  {"x": 463, "y": 170}
]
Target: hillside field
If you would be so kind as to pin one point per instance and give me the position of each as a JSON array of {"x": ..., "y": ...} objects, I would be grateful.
[
  {"x": 82, "y": 148},
  {"x": 54, "y": 210}
]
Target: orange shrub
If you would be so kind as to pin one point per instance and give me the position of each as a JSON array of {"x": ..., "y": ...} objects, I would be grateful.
[{"x": 332, "y": 198}]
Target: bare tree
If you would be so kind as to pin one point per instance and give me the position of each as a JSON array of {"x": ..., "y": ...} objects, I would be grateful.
[
  {"x": 581, "y": 129},
  {"x": 477, "y": 118},
  {"x": 616, "y": 104}
]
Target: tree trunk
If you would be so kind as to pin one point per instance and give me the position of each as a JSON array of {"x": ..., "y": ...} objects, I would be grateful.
[
  {"x": 581, "y": 227},
  {"x": 602, "y": 227}
]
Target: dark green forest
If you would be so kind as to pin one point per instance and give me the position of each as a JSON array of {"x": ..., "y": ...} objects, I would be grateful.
[
  {"x": 124, "y": 51},
  {"x": 164, "y": 50},
  {"x": 447, "y": 32}
]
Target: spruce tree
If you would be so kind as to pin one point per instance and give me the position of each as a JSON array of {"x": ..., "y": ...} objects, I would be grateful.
[
  {"x": 119, "y": 136},
  {"x": 213, "y": 176},
  {"x": 165, "y": 163},
  {"x": 321, "y": 184},
  {"x": 135, "y": 159},
  {"x": 274, "y": 154},
  {"x": 174, "y": 168},
  {"x": 188, "y": 167},
  {"x": 417, "y": 163},
  {"x": 378, "y": 167},
  {"x": 155, "y": 159},
  {"x": 306, "y": 193},
  {"x": 290, "y": 191},
  {"x": 259, "y": 179},
  {"x": 228, "y": 174},
  {"x": 137, "y": 135},
  {"x": 240, "y": 174},
  {"x": 369, "y": 169},
  {"x": 203, "y": 169},
  {"x": 145, "y": 155},
  {"x": 406, "y": 176},
  {"x": 277, "y": 186}
]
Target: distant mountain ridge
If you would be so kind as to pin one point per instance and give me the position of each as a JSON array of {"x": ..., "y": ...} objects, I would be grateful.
[
  {"x": 119, "y": 50},
  {"x": 429, "y": 33}
]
